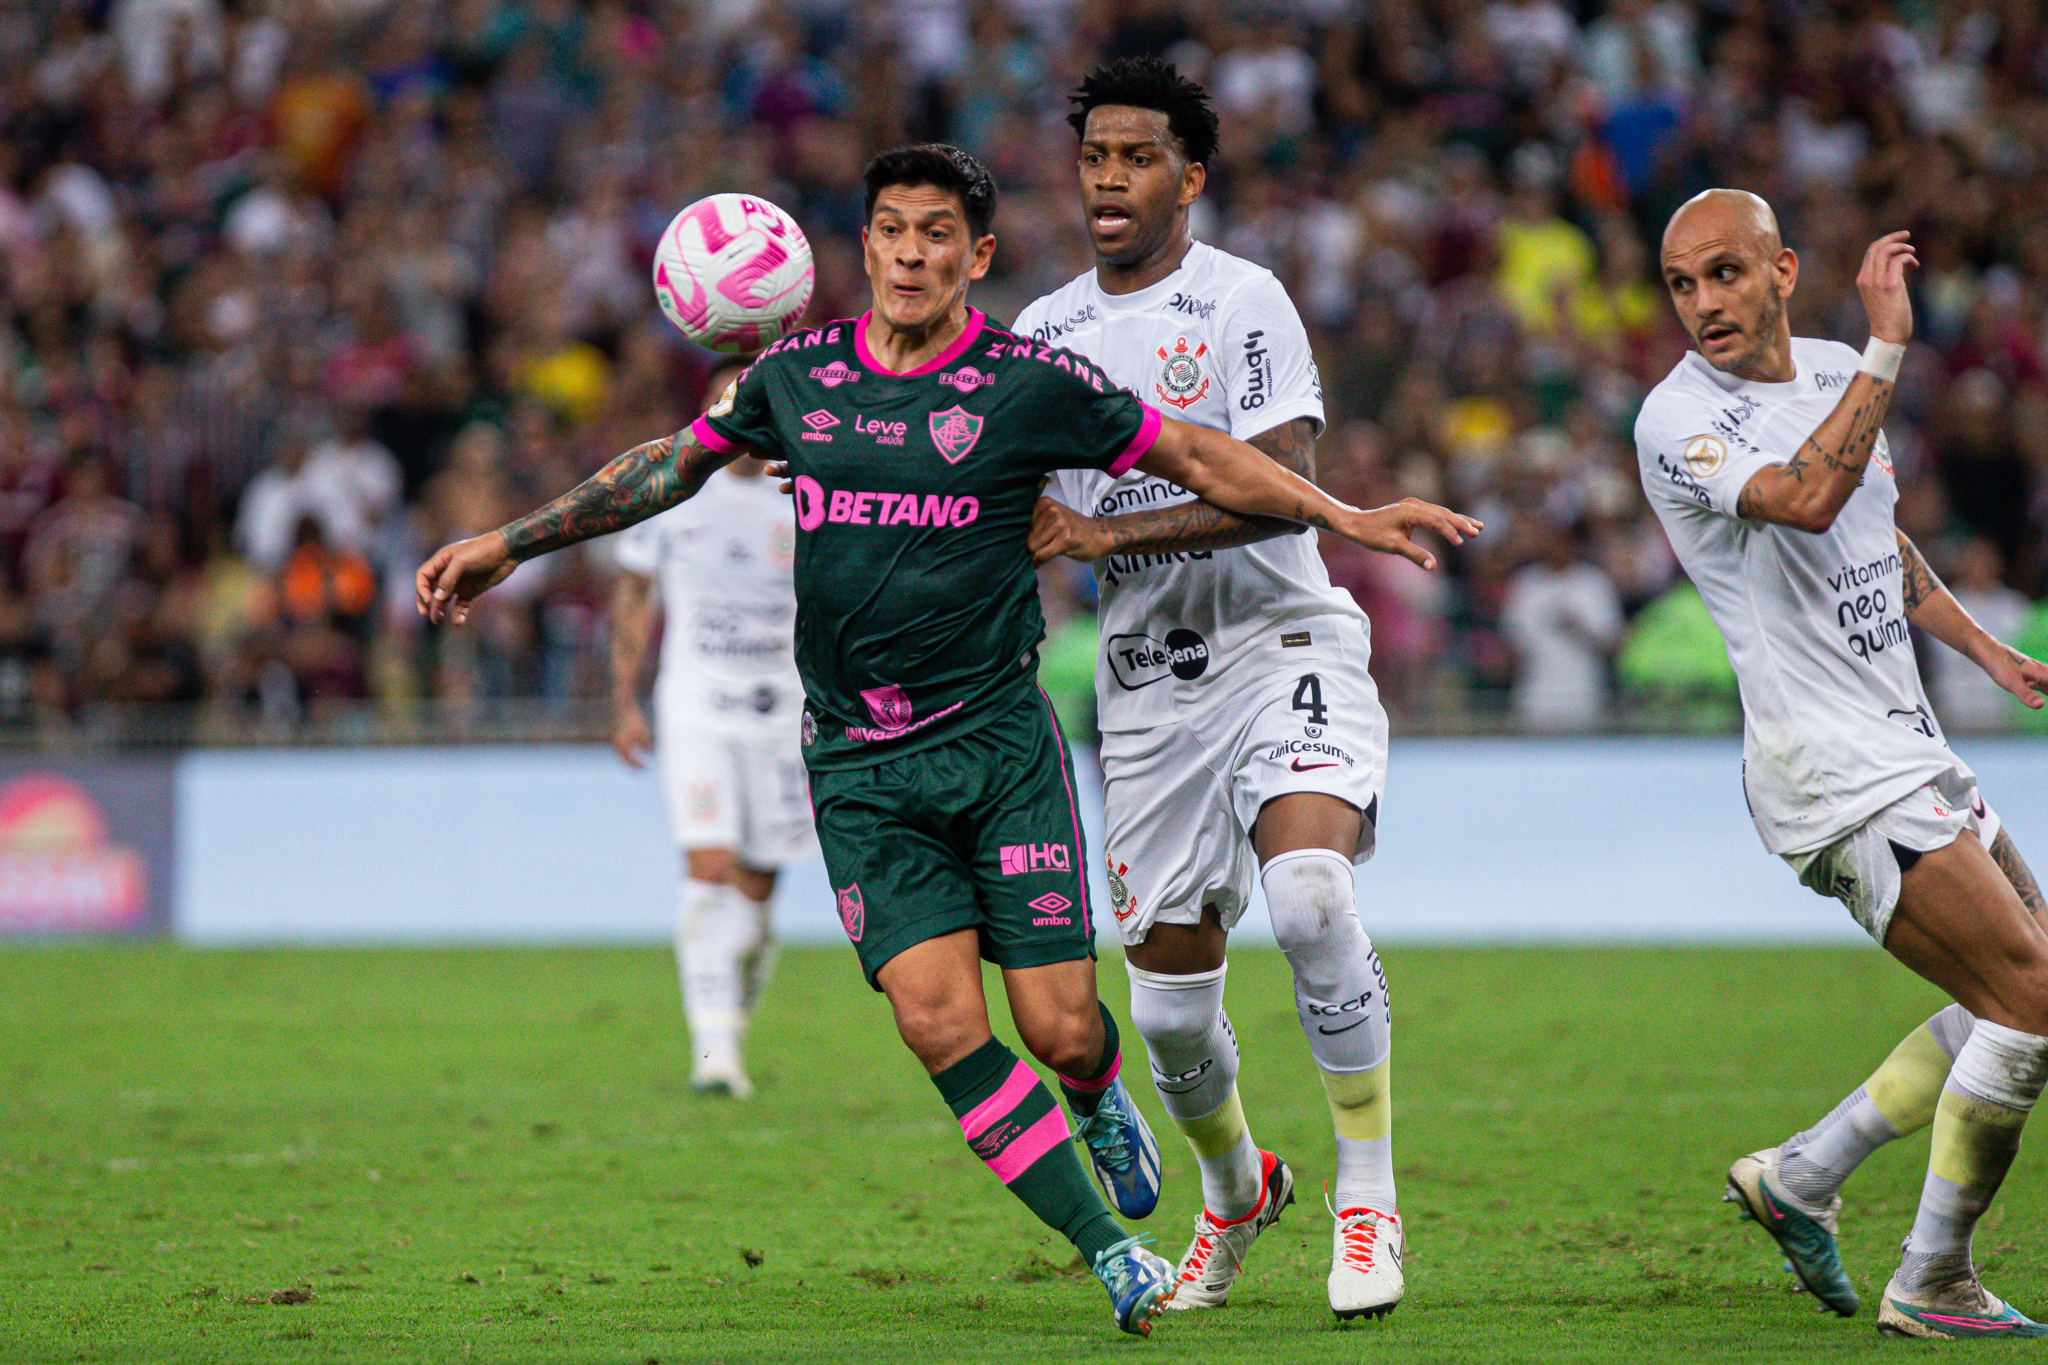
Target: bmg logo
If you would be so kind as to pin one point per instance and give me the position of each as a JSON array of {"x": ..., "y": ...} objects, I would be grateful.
[{"x": 1018, "y": 859}]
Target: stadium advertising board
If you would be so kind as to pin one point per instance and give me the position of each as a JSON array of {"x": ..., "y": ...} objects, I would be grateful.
[{"x": 86, "y": 846}]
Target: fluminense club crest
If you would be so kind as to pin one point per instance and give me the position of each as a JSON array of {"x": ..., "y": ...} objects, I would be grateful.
[
  {"x": 852, "y": 913},
  {"x": 954, "y": 432},
  {"x": 1181, "y": 382}
]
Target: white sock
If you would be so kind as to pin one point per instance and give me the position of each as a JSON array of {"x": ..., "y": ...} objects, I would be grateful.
[
  {"x": 1194, "y": 1066},
  {"x": 713, "y": 935},
  {"x": 1340, "y": 996},
  {"x": 1992, "y": 1087},
  {"x": 757, "y": 964}
]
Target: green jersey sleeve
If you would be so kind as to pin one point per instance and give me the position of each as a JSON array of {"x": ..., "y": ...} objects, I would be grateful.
[
  {"x": 741, "y": 418},
  {"x": 1086, "y": 421}
]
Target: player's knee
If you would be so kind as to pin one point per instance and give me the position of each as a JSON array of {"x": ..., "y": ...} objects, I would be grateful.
[
  {"x": 937, "y": 1031},
  {"x": 709, "y": 864},
  {"x": 1069, "y": 1044},
  {"x": 1310, "y": 897}
]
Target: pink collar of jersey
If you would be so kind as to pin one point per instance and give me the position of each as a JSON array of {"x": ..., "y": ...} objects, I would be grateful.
[{"x": 975, "y": 319}]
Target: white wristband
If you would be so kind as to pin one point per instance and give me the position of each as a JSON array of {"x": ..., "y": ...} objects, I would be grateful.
[{"x": 1881, "y": 359}]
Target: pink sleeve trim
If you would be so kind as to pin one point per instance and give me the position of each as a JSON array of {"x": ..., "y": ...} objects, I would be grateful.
[
  {"x": 983, "y": 1116},
  {"x": 708, "y": 437},
  {"x": 1148, "y": 432},
  {"x": 1027, "y": 1147}
]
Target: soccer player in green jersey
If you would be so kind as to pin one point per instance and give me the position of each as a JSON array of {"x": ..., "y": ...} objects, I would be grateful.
[{"x": 917, "y": 438}]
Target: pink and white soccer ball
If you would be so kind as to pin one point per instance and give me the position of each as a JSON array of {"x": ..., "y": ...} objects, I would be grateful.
[{"x": 733, "y": 272}]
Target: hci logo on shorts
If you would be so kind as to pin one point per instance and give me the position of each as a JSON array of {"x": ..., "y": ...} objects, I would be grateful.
[
  {"x": 1137, "y": 661},
  {"x": 852, "y": 913},
  {"x": 1018, "y": 859}
]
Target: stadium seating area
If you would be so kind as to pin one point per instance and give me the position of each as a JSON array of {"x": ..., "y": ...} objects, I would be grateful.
[{"x": 293, "y": 290}]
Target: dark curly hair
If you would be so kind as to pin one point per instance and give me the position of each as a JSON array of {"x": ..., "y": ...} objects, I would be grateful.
[
  {"x": 942, "y": 167},
  {"x": 1148, "y": 83}
]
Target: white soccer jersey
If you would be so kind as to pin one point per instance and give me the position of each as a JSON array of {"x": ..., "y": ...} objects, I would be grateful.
[
  {"x": 1837, "y": 725},
  {"x": 725, "y": 562},
  {"x": 1216, "y": 343}
]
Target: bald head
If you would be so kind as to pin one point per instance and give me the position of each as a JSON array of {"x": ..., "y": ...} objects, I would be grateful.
[
  {"x": 1723, "y": 216},
  {"x": 1729, "y": 275}
]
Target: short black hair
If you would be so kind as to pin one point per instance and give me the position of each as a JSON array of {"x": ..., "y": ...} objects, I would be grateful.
[
  {"x": 941, "y": 166},
  {"x": 1149, "y": 83}
]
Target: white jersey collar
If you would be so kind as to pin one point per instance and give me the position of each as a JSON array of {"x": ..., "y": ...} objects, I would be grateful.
[
  {"x": 1152, "y": 295},
  {"x": 1737, "y": 384}
]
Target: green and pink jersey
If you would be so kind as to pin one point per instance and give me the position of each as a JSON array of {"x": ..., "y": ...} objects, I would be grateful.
[{"x": 917, "y": 604}]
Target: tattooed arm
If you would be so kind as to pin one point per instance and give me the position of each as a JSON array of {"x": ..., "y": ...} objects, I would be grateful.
[
  {"x": 1808, "y": 490},
  {"x": 1060, "y": 530},
  {"x": 647, "y": 479},
  {"x": 1933, "y": 608},
  {"x": 1227, "y": 473}
]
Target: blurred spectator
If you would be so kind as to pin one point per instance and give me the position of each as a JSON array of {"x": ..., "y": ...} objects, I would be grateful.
[
  {"x": 1963, "y": 694},
  {"x": 1564, "y": 620}
]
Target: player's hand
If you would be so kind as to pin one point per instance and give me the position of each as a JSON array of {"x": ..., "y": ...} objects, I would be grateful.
[
  {"x": 1882, "y": 283},
  {"x": 779, "y": 469},
  {"x": 446, "y": 584},
  {"x": 1387, "y": 529},
  {"x": 631, "y": 736},
  {"x": 1057, "y": 529},
  {"x": 2018, "y": 674}
]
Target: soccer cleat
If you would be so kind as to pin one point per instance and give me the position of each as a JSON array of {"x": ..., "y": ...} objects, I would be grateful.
[
  {"x": 1806, "y": 1238},
  {"x": 1962, "y": 1310},
  {"x": 723, "y": 1083},
  {"x": 1139, "y": 1284},
  {"x": 1121, "y": 1149},
  {"x": 1365, "y": 1263},
  {"x": 1211, "y": 1264}
]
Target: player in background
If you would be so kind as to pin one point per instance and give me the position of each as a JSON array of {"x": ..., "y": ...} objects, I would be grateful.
[
  {"x": 1241, "y": 733},
  {"x": 728, "y": 701},
  {"x": 917, "y": 438},
  {"x": 1765, "y": 458}
]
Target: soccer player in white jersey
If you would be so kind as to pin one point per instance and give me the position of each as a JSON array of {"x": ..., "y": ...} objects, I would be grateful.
[
  {"x": 1765, "y": 458},
  {"x": 727, "y": 702},
  {"x": 1241, "y": 733}
]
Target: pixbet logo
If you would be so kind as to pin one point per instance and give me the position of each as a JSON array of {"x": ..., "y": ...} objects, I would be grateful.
[
  {"x": 885, "y": 433},
  {"x": 820, "y": 423},
  {"x": 1018, "y": 859},
  {"x": 1052, "y": 908}
]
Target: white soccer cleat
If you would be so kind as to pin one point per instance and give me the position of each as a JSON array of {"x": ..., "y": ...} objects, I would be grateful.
[
  {"x": 1212, "y": 1261},
  {"x": 728, "y": 1081},
  {"x": 1365, "y": 1263}
]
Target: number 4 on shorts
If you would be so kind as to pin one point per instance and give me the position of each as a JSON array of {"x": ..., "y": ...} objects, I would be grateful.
[{"x": 1308, "y": 696}]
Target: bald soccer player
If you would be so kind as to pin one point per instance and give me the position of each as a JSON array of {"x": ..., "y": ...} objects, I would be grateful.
[{"x": 1764, "y": 457}]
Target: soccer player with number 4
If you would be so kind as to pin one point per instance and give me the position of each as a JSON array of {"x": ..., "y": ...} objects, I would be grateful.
[
  {"x": 917, "y": 437},
  {"x": 1242, "y": 736},
  {"x": 1765, "y": 458}
]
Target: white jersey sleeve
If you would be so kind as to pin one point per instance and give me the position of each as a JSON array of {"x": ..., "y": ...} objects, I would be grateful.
[
  {"x": 1267, "y": 367},
  {"x": 1701, "y": 458}
]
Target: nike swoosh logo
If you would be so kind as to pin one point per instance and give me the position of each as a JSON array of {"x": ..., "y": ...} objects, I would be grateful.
[
  {"x": 1186, "y": 1090},
  {"x": 1296, "y": 766},
  {"x": 1323, "y": 1028},
  {"x": 1769, "y": 1207}
]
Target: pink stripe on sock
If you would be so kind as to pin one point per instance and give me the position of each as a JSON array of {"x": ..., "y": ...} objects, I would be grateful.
[
  {"x": 1040, "y": 1138},
  {"x": 1102, "y": 1082},
  {"x": 983, "y": 1116}
]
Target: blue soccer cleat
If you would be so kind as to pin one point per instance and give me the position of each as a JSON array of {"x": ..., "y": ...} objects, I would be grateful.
[
  {"x": 1121, "y": 1149},
  {"x": 1139, "y": 1284},
  {"x": 1964, "y": 1310},
  {"x": 1807, "y": 1239}
]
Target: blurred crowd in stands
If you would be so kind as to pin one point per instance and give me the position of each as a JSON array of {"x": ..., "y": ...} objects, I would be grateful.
[{"x": 294, "y": 290}]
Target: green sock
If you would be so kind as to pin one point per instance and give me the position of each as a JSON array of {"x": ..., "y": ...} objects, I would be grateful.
[
  {"x": 1084, "y": 1093},
  {"x": 1013, "y": 1123}
]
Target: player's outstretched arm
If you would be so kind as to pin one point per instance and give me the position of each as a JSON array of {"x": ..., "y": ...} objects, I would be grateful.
[
  {"x": 1808, "y": 490},
  {"x": 647, "y": 479},
  {"x": 1226, "y": 472},
  {"x": 1190, "y": 526},
  {"x": 1931, "y": 607},
  {"x": 630, "y": 623}
]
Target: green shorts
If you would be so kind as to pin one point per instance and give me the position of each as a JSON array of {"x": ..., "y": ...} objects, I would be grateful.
[{"x": 980, "y": 832}]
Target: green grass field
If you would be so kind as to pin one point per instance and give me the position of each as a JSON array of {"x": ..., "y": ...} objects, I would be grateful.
[{"x": 491, "y": 1156}]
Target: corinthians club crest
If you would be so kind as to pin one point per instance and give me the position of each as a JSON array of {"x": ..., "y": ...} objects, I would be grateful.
[{"x": 1181, "y": 381}]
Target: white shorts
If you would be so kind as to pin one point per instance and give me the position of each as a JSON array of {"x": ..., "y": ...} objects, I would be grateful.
[
  {"x": 747, "y": 794},
  {"x": 1180, "y": 800},
  {"x": 1862, "y": 868}
]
